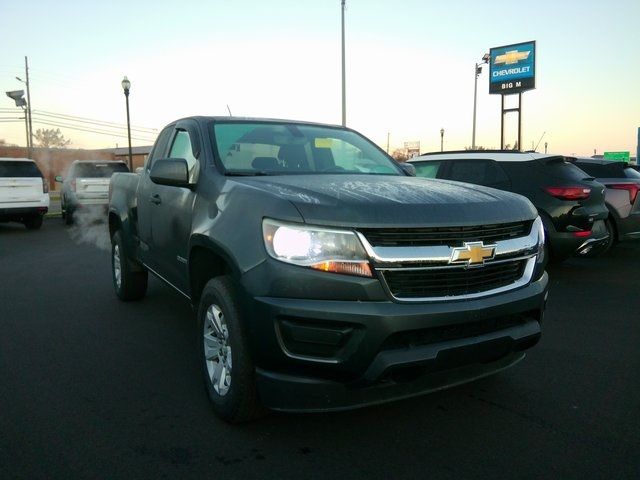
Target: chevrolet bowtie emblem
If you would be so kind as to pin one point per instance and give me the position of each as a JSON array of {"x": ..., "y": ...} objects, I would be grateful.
[
  {"x": 472, "y": 253},
  {"x": 511, "y": 57}
]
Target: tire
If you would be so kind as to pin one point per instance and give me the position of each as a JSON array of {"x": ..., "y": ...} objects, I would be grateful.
[
  {"x": 68, "y": 218},
  {"x": 129, "y": 279},
  {"x": 33, "y": 223},
  {"x": 227, "y": 367}
]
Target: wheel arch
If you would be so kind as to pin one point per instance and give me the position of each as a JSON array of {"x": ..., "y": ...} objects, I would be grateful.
[{"x": 207, "y": 260}]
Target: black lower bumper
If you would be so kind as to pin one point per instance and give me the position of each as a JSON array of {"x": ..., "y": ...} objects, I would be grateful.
[
  {"x": 417, "y": 374},
  {"x": 19, "y": 214},
  {"x": 328, "y": 355}
]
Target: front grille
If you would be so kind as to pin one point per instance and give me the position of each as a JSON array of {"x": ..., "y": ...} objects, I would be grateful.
[
  {"x": 428, "y": 336},
  {"x": 451, "y": 236},
  {"x": 452, "y": 281}
]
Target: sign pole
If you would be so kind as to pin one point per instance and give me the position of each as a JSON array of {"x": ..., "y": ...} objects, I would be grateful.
[
  {"x": 520, "y": 121},
  {"x": 502, "y": 124}
]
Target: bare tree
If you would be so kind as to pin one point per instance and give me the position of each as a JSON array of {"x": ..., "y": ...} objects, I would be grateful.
[
  {"x": 400, "y": 155},
  {"x": 50, "y": 138}
]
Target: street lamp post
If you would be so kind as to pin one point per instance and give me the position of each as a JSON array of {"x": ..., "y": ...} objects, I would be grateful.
[
  {"x": 442, "y": 139},
  {"x": 477, "y": 72},
  {"x": 126, "y": 86},
  {"x": 344, "y": 75}
]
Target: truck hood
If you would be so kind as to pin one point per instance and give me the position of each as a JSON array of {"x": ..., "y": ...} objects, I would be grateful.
[{"x": 385, "y": 200}]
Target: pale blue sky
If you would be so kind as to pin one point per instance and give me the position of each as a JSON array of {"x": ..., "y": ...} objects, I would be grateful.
[{"x": 410, "y": 65}]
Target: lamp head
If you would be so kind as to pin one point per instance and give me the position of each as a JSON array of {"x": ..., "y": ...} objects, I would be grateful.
[
  {"x": 126, "y": 84},
  {"x": 18, "y": 97}
]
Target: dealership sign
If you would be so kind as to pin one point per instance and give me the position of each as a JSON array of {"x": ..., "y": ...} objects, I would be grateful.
[
  {"x": 617, "y": 156},
  {"x": 512, "y": 68}
]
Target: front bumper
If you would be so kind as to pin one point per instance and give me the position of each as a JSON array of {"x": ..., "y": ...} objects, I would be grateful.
[{"x": 319, "y": 355}]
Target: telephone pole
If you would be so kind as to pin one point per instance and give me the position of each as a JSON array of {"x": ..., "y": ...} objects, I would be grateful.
[
  {"x": 344, "y": 92},
  {"x": 26, "y": 72}
]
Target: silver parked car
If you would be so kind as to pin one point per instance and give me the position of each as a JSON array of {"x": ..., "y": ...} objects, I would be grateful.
[
  {"x": 86, "y": 185},
  {"x": 622, "y": 184}
]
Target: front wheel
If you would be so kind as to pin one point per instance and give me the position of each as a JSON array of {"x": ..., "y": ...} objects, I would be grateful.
[
  {"x": 226, "y": 364},
  {"x": 129, "y": 279}
]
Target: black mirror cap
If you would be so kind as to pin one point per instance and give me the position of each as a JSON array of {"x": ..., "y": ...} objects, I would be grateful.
[
  {"x": 172, "y": 172},
  {"x": 408, "y": 168}
]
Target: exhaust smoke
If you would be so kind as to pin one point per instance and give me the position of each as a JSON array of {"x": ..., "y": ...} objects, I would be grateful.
[{"x": 90, "y": 226}]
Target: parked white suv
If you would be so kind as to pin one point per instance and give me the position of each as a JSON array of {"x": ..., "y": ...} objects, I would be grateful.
[
  {"x": 86, "y": 185},
  {"x": 24, "y": 193}
]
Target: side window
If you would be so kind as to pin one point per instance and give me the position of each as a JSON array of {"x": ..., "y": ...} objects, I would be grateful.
[
  {"x": 181, "y": 148},
  {"x": 160, "y": 147},
  {"x": 427, "y": 169},
  {"x": 479, "y": 172}
]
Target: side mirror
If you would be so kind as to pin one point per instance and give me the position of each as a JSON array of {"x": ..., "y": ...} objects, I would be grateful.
[
  {"x": 408, "y": 168},
  {"x": 59, "y": 179},
  {"x": 172, "y": 172}
]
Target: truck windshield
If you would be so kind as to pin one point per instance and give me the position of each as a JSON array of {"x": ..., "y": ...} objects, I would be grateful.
[
  {"x": 99, "y": 170},
  {"x": 246, "y": 148}
]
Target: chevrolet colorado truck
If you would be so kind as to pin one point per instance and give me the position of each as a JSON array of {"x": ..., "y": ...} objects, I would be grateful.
[{"x": 325, "y": 276}]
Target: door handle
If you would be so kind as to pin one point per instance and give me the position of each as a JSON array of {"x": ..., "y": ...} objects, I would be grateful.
[{"x": 155, "y": 199}]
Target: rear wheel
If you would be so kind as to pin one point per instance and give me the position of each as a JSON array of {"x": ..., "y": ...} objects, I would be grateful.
[
  {"x": 129, "y": 278},
  {"x": 226, "y": 364},
  {"x": 34, "y": 222}
]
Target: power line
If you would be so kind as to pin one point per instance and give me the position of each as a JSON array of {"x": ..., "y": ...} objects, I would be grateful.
[
  {"x": 76, "y": 119},
  {"x": 71, "y": 118},
  {"x": 99, "y": 132}
]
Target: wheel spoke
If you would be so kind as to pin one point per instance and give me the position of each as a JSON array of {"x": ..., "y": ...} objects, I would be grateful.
[
  {"x": 216, "y": 373},
  {"x": 222, "y": 379},
  {"x": 212, "y": 346},
  {"x": 214, "y": 319}
]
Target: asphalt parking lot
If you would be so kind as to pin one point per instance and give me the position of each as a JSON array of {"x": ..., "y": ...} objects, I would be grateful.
[{"x": 94, "y": 388}]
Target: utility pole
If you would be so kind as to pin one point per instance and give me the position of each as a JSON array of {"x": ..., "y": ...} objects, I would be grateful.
[
  {"x": 26, "y": 72},
  {"x": 344, "y": 91},
  {"x": 388, "y": 135}
]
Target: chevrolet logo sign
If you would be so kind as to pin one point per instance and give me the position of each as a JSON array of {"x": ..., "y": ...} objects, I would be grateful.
[
  {"x": 472, "y": 253},
  {"x": 511, "y": 57}
]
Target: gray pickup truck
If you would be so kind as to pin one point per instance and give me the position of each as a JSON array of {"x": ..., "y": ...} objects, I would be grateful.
[{"x": 324, "y": 275}]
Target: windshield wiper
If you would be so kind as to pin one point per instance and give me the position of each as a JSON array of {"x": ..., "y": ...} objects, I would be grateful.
[{"x": 244, "y": 173}]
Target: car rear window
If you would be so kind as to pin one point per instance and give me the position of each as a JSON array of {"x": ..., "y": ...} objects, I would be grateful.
[
  {"x": 19, "y": 169},
  {"x": 630, "y": 172},
  {"x": 427, "y": 169},
  {"x": 565, "y": 171},
  {"x": 98, "y": 170}
]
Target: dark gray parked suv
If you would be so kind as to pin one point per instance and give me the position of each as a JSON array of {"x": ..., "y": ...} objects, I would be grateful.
[{"x": 622, "y": 184}]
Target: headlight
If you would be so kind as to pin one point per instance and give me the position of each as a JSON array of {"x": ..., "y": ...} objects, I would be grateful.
[
  {"x": 329, "y": 250},
  {"x": 541, "y": 239}
]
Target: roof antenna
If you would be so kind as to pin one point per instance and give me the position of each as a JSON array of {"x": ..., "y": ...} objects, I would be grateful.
[
  {"x": 230, "y": 114},
  {"x": 536, "y": 149}
]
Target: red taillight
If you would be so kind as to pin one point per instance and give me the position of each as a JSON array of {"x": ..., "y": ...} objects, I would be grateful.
[
  {"x": 45, "y": 186},
  {"x": 73, "y": 185},
  {"x": 569, "y": 193},
  {"x": 632, "y": 188},
  {"x": 582, "y": 234}
]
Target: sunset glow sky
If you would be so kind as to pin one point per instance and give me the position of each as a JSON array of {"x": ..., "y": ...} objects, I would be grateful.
[{"x": 409, "y": 66}]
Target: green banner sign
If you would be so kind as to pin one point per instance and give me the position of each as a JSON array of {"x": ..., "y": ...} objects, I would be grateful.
[{"x": 617, "y": 156}]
